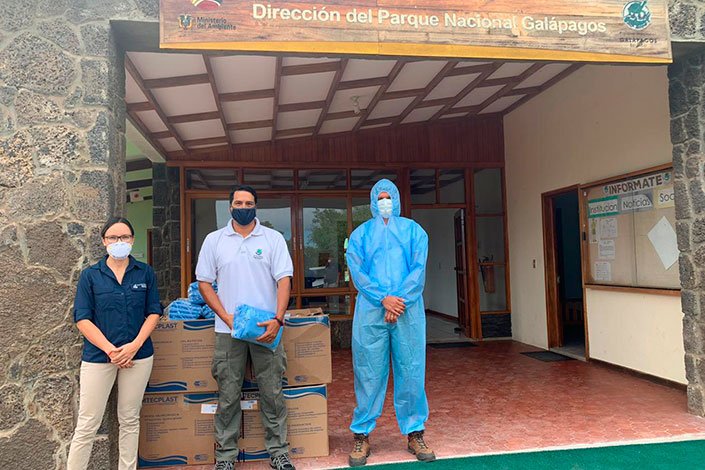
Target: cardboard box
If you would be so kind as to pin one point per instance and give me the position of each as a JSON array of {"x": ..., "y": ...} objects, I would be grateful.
[
  {"x": 183, "y": 354},
  {"x": 177, "y": 429},
  {"x": 307, "y": 343},
  {"x": 307, "y": 424}
]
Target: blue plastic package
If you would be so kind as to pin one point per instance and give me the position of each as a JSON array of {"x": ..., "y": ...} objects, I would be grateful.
[
  {"x": 207, "y": 313},
  {"x": 182, "y": 309},
  {"x": 194, "y": 295},
  {"x": 245, "y": 325}
]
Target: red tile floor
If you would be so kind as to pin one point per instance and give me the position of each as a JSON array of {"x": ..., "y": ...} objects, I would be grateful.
[{"x": 491, "y": 399}]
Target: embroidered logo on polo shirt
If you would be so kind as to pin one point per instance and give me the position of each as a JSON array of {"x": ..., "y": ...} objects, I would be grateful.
[
  {"x": 258, "y": 254},
  {"x": 139, "y": 286}
]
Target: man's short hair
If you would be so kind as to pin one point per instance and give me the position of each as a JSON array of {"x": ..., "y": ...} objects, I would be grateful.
[{"x": 242, "y": 187}]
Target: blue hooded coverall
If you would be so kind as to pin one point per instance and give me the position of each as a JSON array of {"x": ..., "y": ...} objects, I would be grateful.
[{"x": 389, "y": 260}]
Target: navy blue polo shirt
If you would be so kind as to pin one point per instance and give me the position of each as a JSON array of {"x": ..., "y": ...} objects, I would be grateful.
[{"x": 118, "y": 310}]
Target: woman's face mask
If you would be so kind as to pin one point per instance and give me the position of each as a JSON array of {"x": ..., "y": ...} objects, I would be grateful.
[
  {"x": 385, "y": 207},
  {"x": 119, "y": 250}
]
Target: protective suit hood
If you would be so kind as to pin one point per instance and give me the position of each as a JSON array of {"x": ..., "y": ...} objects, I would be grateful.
[{"x": 380, "y": 187}]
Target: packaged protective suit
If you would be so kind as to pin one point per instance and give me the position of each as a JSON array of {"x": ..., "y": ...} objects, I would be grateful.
[
  {"x": 389, "y": 259},
  {"x": 245, "y": 326},
  {"x": 183, "y": 309},
  {"x": 194, "y": 295}
]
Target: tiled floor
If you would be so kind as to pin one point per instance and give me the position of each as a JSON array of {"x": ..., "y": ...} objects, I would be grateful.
[
  {"x": 491, "y": 399},
  {"x": 441, "y": 330}
]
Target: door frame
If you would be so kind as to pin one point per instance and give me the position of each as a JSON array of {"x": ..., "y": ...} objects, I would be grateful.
[{"x": 553, "y": 312}]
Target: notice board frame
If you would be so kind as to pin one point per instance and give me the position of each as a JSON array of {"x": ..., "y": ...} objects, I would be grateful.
[{"x": 588, "y": 281}]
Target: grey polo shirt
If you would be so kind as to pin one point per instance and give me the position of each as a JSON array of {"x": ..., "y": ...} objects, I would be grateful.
[{"x": 246, "y": 269}]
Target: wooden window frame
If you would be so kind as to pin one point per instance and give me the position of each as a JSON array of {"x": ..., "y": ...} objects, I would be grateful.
[{"x": 403, "y": 175}]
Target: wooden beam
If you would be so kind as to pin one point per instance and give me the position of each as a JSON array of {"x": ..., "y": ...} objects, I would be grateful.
[
  {"x": 331, "y": 93},
  {"x": 139, "y": 107},
  {"x": 393, "y": 95},
  {"x": 382, "y": 90},
  {"x": 304, "y": 69},
  {"x": 132, "y": 70},
  {"x": 170, "y": 82},
  {"x": 572, "y": 68},
  {"x": 534, "y": 90},
  {"x": 277, "y": 89},
  {"x": 287, "y": 108},
  {"x": 510, "y": 86},
  {"x": 247, "y": 95},
  {"x": 471, "y": 69},
  {"x": 297, "y": 131},
  {"x": 241, "y": 126},
  {"x": 216, "y": 98},
  {"x": 384, "y": 120},
  {"x": 161, "y": 135},
  {"x": 138, "y": 184},
  {"x": 450, "y": 65},
  {"x": 436, "y": 102},
  {"x": 342, "y": 115},
  {"x": 448, "y": 108},
  {"x": 362, "y": 83},
  {"x": 142, "y": 129},
  {"x": 194, "y": 117},
  {"x": 137, "y": 165},
  {"x": 207, "y": 141}
]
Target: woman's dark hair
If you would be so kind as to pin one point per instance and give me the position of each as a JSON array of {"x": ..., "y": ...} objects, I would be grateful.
[
  {"x": 242, "y": 187},
  {"x": 116, "y": 220}
]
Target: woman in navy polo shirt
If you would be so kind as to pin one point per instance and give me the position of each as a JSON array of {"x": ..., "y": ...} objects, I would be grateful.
[{"x": 116, "y": 309}]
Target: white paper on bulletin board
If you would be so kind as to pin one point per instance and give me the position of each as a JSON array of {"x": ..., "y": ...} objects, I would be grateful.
[
  {"x": 665, "y": 242},
  {"x": 607, "y": 249},
  {"x": 603, "y": 271}
]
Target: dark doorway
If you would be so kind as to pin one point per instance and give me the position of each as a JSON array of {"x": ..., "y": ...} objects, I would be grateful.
[{"x": 564, "y": 282}]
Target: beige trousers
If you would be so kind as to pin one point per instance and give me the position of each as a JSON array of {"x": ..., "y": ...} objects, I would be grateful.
[{"x": 96, "y": 383}]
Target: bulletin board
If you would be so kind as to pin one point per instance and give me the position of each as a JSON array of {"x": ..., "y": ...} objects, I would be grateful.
[{"x": 629, "y": 226}]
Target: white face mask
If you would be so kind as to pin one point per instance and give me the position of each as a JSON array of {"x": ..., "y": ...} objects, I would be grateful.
[
  {"x": 119, "y": 250},
  {"x": 385, "y": 207}
]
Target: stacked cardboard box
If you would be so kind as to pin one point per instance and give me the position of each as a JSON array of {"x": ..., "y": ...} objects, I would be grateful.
[{"x": 181, "y": 399}]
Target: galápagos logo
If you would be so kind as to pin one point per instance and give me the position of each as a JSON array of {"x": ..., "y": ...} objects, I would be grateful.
[
  {"x": 637, "y": 15},
  {"x": 207, "y": 4}
]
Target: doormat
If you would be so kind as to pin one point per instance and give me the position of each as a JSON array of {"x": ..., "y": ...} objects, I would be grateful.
[
  {"x": 456, "y": 344},
  {"x": 547, "y": 356}
]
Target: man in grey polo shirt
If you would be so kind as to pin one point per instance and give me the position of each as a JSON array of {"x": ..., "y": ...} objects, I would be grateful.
[{"x": 252, "y": 265}]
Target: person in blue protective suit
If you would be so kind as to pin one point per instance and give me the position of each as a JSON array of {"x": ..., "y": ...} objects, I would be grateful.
[{"x": 387, "y": 260}]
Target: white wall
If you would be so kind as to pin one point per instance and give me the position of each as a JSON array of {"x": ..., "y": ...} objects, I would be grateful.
[
  {"x": 440, "y": 292},
  {"x": 654, "y": 347},
  {"x": 601, "y": 121}
]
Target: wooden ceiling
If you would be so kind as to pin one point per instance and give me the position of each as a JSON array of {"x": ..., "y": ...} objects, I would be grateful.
[{"x": 185, "y": 103}]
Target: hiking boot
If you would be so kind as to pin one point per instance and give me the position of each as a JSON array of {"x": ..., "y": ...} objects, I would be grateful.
[
  {"x": 281, "y": 462},
  {"x": 360, "y": 452},
  {"x": 223, "y": 465},
  {"x": 418, "y": 447}
]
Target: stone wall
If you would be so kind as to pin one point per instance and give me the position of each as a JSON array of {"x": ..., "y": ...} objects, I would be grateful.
[
  {"x": 687, "y": 19},
  {"x": 687, "y": 98},
  {"x": 61, "y": 176},
  {"x": 166, "y": 236}
]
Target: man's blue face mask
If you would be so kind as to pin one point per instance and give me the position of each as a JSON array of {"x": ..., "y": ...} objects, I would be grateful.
[
  {"x": 244, "y": 217},
  {"x": 385, "y": 207}
]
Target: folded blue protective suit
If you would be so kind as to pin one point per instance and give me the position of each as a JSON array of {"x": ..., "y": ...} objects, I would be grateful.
[
  {"x": 207, "y": 313},
  {"x": 182, "y": 309},
  {"x": 194, "y": 295},
  {"x": 245, "y": 325}
]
